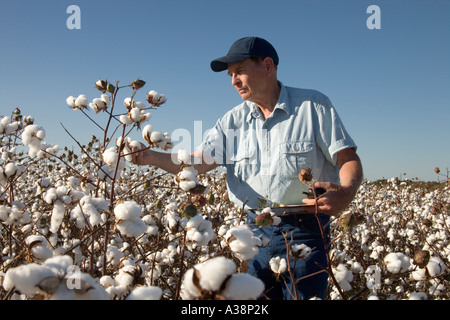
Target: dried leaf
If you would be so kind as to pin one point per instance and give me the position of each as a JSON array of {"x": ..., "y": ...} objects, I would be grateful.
[{"x": 196, "y": 280}]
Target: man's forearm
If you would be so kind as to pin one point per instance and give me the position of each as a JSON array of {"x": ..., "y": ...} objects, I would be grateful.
[
  {"x": 166, "y": 161},
  {"x": 350, "y": 173},
  {"x": 169, "y": 161}
]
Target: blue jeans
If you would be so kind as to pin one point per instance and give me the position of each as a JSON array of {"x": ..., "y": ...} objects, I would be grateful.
[{"x": 301, "y": 228}]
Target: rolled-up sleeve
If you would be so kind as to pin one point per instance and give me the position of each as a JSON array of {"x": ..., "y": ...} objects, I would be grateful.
[{"x": 332, "y": 136}]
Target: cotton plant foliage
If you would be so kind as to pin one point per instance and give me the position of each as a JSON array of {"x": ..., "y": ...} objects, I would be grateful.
[{"x": 89, "y": 224}]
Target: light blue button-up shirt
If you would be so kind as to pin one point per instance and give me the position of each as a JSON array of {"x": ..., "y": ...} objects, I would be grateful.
[{"x": 263, "y": 157}]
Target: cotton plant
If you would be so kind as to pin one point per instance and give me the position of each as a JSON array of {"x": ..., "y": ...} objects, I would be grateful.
[
  {"x": 10, "y": 172},
  {"x": 128, "y": 284},
  {"x": 59, "y": 198},
  {"x": 128, "y": 219},
  {"x": 267, "y": 217},
  {"x": 187, "y": 177},
  {"x": 54, "y": 279},
  {"x": 157, "y": 139},
  {"x": 397, "y": 262},
  {"x": 136, "y": 112},
  {"x": 278, "y": 265},
  {"x": 343, "y": 276},
  {"x": 242, "y": 242},
  {"x": 38, "y": 248},
  {"x": 183, "y": 228},
  {"x": 89, "y": 210},
  {"x": 8, "y": 126},
  {"x": 300, "y": 251},
  {"x": 199, "y": 230},
  {"x": 216, "y": 279}
]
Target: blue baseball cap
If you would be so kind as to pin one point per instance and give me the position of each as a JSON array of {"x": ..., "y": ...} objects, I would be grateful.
[{"x": 245, "y": 48}]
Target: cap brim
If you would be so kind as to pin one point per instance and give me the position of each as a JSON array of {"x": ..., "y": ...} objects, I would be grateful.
[{"x": 221, "y": 64}]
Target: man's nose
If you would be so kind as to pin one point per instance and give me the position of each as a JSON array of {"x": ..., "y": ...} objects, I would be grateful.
[{"x": 234, "y": 79}]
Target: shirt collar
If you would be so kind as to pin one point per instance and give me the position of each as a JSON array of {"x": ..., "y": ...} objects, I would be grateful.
[{"x": 282, "y": 104}]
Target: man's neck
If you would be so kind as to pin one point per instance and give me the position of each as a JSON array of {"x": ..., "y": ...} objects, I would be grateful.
[{"x": 267, "y": 105}]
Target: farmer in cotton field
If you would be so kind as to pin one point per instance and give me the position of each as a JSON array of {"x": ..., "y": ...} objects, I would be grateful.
[{"x": 264, "y": 143}]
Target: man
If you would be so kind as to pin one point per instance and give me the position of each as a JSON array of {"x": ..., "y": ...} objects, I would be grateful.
[{"x": 264, "y": 143}]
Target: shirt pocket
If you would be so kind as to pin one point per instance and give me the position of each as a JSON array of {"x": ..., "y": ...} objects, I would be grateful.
[
  {"x": 296, "y": 155},
  {"x": 244, "y": 161}
]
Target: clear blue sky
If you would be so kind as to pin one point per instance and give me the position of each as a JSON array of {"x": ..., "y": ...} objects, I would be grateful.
[{"x": 391, "y": 86}]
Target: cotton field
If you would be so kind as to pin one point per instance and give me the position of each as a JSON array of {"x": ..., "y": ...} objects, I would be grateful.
[{"x": 91, "y": 225}]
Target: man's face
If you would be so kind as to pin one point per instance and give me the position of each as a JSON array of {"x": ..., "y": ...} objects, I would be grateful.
[{"x": 249, "y": 78}]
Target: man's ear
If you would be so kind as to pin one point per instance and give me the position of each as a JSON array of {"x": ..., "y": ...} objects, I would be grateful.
[{"x": 269, "y": 65}]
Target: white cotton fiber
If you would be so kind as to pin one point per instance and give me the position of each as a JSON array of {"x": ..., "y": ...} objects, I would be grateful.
[
  {"x": 397, "y": 262},
  {"x": 132, "y": 228},
  {"x": 213, "y": 272},
  {"x": 26, "y": 277},
  {"x": 127, "y": 210},
  {"x": 145, "y": 293},
  {"x": 242, "y": 286}
]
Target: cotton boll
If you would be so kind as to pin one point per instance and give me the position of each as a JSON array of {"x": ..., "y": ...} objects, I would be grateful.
[
  {"x": 145, "y": 293},
  {"x": 373, "y": 277},
  {"x": 343, "y": 277},
  {"x": 187, "y": 185},
  {"x": 128, "y": 102},
  {"x": 155, "y": 98},
  {"x": 243, "y": 286},
  {"x": 213, "y": 272},
  {"x": 199, "y": 230},
  {"x": 419, "y": 274},
  {"x": 132, "y": 228},
  {"x": 81, "y": 101},
  {"x": 114, "y": 255},
  {"x": 417, "y": 296},
  {"x": 110, "y": 156},
  {"x": 278, "y": 265},
  {"x": 127, "y": 154},
  {"x": 97, "y": 105},
  {"x": 437, "y": 288},
  {"x": 210, "y": 276},
  {"x": 40, "y": 134},
  {"x": 125, "y": 119},
  {"x": 4, "y": 212},
  {"x": 435, "y": 266},
  {"x": 147, "y": 133},
  {"x": 57, "y": 216},
  {"x": 59, "y": 264},
  {"x": 39, "y": 247},
  {"x": 189, "y": 290},
  {"x": 301, "y": 251},
  {"x": 242, "y": 242},
  {"x": 397, "y": 262},
  {"x": 12, "y": 127},
  {"x": 105, "y": 98},
  {"x": 86, "y": 288},
  {"x": 125, "y": 277},
  {"x": 135, "y": 114},
  {"x": 128, "y": 210},
  {"x": 184, "y": 156},
  {"x": 140, "y": 105},
  {"x": 107, "y": 281},
  {"x": 25, "y": 278},
  {"x": 71, "y": 101},
  {"x": 156, "y": 137}
]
